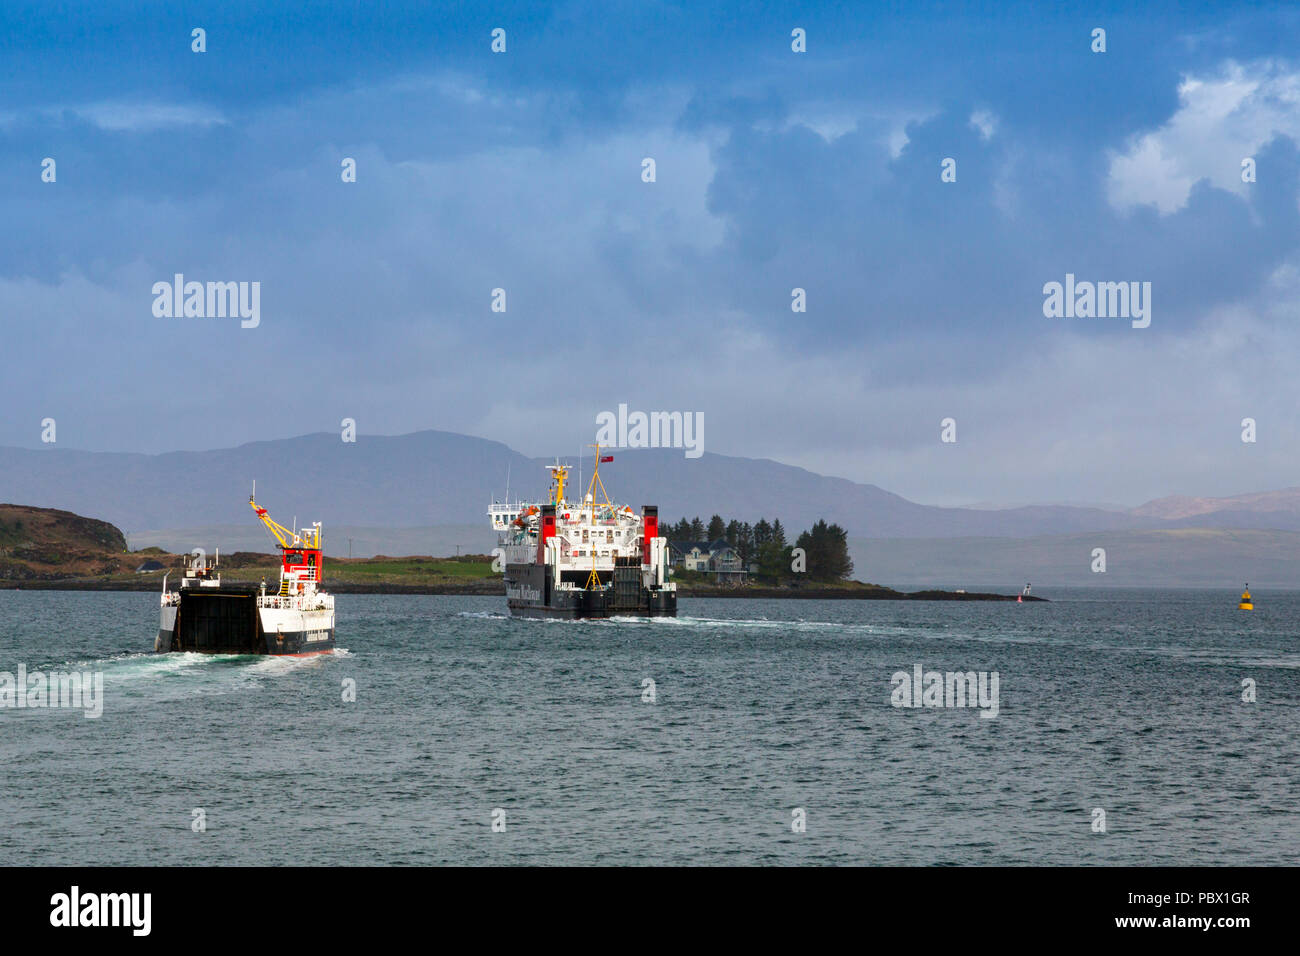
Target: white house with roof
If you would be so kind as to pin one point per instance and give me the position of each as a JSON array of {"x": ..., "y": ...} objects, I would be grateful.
[{"x": 717, "y": 558}]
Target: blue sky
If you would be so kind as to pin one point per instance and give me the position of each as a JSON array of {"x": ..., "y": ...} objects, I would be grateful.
[{"x": 775, "y": 170}]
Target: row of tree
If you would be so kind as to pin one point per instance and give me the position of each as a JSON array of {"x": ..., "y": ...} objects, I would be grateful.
[{"x": 824, "y": 554}]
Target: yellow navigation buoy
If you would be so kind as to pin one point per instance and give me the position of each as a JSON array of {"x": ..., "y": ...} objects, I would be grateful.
[{"x": 1246, "y": 604}]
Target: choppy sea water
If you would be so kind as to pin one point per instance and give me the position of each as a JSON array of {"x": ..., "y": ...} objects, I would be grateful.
[{"x": 1127, "y": 701}]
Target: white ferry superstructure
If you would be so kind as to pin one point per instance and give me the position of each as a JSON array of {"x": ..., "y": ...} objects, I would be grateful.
[{"x": 582, "y": 559}]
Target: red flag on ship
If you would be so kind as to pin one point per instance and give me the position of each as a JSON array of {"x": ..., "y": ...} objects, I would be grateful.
[{"x": 605, "y": 458}]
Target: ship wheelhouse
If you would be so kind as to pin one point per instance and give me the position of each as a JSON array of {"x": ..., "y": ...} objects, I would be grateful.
[{"x": 300, "y": 569}]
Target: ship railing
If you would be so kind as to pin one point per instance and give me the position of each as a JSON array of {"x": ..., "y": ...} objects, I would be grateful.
[{"x": 292, "y": 602}]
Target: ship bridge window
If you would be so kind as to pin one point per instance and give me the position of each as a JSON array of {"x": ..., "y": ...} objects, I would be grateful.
[
  {"x": 293, "y": 559},
  {"x": 609, "y": 537},
  {"x": 584, "y": 535}
]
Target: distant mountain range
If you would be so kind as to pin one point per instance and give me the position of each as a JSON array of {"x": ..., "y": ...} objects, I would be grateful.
[
  {"x": 427, "y": 493},
  {"x": 1275, "y": 504}
]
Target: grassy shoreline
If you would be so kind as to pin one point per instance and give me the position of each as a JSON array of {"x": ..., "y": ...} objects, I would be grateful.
[
  {"x": 43, "y": 549},
  {"x": 492, "y": 588},
  {"x": 423, "y": 574}
]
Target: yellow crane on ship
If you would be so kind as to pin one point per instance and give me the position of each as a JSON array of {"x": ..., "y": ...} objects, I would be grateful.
[{"x": 288, "y": 538}]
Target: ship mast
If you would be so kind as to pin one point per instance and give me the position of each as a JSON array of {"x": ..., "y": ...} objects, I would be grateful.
[
  {"x": 593, "y": 581},
  {"x": 596, "y": 482},
  {"x": 559, "y": 475}
]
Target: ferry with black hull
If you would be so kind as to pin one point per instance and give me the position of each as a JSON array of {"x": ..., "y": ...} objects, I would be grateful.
[
  {"x": 205, "y": 617},
  {"x": 583, "y": 559}
]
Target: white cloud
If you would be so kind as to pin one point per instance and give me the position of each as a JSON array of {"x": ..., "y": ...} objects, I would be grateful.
[
  {"x": 399, "y": 282},
  {"x": 985, "y": 122},
  {"x": 144, "y": 117},
  {"x": 123, "y": 115},
  {"x": 829, "y": 124},
  {"x": 1220, "y": 121},
  {"x": 141, "y": 117}
]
